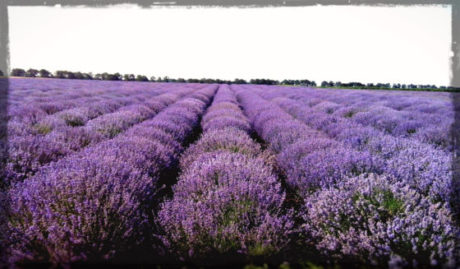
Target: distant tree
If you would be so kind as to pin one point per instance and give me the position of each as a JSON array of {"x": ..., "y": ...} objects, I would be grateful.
[
  {"x": 88, "y": 76},
  {"x": 70, "y": 75},
  {"x": 98, "y": 76},
  {"x": 306, "y": 82},
  {"x": 31, "y": 73},
  {"x": 66, "y": 74},
  {"x": 129, "y": 77},
  {"x": 181, "y": 80},
  {"x": 141, "y": 78},
  {"x": 327, "y": 84},
  {"x": 206, "y": 80},
  {"x": 59, "y": 74},
  {"x": 426, "y": 86},
  {"x": 44, "y": 73},
  {"x": 116, "y": 76},
  {"x": 74, "y": 75},
  {"x": 18, "y": 72},
  {"x": 107, "y": 76},
  {"x": 264, "y": 81},
  {"x": 239, "y": 81},
  {"x": 1, "y": 73},
  {"x": 193, "y": 80},
  {"x": 152, "y": 78},
  {"x": 165, "y": 79},
  {"x": 78, "y": 75},
  {"x": 354, "y": 85}
]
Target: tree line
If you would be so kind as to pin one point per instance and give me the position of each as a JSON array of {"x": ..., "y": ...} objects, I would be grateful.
[
  {"x": 396, "y": 86},
  {"x": 43, "y": 73}
]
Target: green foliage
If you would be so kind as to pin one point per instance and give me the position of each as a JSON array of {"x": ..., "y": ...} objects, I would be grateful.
[
  {"x": 392, "y": 204},
  {"x": 252, "y": 266},
  {"x": 233, "y": 213},
  {"x": 384, "y": 199},
  {"x": 259, "y": 250},
  {"x": 411, "y": 131},
  {"x": 73, "y": 121},
  {"x": 42, "y": 128},
  {"x": 349, "y": 114}
]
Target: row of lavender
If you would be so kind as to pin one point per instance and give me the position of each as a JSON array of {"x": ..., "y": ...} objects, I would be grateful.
[
  {"x": 89, "y": 99},
  {"x": 38, "y": 137},
  {"x": 24, "y": 91},
  {"x": 354, "y": 206},
  {"x": 421, "y": 165},
  {"x": 365, "y": 194},
  {"x": 426, "y": 118},
  {"x": 227, "y": 200},
  {"x": 26, "y": 107},
  {"x": 31, "y": 101},
  {"x": 97, "y": 202}
]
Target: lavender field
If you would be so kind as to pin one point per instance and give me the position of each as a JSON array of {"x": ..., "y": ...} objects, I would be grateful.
[{"x": 214, "y": 175}]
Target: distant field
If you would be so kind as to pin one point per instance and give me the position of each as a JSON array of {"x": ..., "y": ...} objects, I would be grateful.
[
  {"x": 399, "y": 89},
  {"x": 213, "y": 175}
]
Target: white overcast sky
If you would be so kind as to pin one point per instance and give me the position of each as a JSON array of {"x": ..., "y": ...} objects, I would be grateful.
[{"x": 338, "y": 43}]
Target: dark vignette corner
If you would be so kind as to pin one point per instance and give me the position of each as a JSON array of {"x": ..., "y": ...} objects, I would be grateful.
[
  {"x": 4, "y": 83},
  {"x": 4, "y": 59}
]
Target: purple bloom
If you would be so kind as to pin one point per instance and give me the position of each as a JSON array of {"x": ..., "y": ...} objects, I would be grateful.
[
  {"x": 372, "y": 219},
  {"x": 227, "y": 199},
  {"x": 226, "y": 202},
  {"x": 94, "y": 204}
]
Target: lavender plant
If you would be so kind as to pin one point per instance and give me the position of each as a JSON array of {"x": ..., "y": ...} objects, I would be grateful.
[
  {"x": 370, "y": 173},
  {"x": 379, "y": 222},
  {"x": 92, "y": 205},
  {"x": 227, "y": 200}
]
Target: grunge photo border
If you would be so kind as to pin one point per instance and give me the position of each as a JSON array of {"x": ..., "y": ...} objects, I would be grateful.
[{"x": 454, "y": 60}]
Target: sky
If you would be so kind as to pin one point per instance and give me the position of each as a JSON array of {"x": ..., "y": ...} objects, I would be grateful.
[{"x": 403, "y": 44}]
